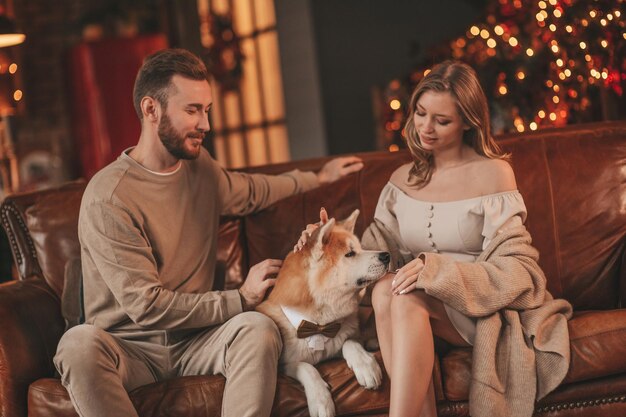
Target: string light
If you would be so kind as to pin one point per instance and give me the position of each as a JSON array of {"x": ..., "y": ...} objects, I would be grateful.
[
  {"x": 573, "y": 41},
  {"x": 17, "y": 95}
]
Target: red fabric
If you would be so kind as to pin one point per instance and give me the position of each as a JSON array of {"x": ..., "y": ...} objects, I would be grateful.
[{"x": 102, "y": 78}]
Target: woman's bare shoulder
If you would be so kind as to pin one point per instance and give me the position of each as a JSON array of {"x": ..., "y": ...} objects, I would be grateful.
[
  {"x": 400, "y": 176},
  {"x": 496, "y": 175}
]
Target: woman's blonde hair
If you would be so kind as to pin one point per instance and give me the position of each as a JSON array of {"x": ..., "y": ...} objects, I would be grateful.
[{"x": 461, "y": 82}]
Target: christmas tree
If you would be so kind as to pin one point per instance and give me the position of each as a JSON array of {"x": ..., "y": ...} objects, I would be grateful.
[{"x": 541, "y": 63}]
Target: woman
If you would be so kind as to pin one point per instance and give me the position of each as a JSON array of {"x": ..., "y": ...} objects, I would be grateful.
[{"x": 437, "y": 214}]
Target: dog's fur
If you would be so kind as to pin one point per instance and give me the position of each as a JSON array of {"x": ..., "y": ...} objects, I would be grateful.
[{"x": 322, "y": 281}]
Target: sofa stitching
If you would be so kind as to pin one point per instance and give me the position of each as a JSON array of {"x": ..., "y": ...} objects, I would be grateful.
[{"x": 582, "y": 404}]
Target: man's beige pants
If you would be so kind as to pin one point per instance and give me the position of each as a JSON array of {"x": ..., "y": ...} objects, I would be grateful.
[{"x": 98, "y": 368}]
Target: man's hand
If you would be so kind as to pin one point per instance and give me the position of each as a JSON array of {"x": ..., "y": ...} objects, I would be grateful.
[
  {"x": 259, "y": 279},
  {"x": 339, "y": 167},
  {"x": 306, "y": 233}
]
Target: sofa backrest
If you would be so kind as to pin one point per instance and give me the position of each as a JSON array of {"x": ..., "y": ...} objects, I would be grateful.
[{"x": 572, "y": 179}]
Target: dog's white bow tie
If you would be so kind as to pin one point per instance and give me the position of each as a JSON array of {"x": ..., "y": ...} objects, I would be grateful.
[{"x": 316, "y": 341}]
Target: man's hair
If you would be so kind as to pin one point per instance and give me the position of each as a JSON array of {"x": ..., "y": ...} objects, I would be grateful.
[{"x": 155, "y": 75}]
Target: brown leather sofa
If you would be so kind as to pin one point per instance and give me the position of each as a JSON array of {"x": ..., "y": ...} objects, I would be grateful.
[{"x": 573, "y": 180}]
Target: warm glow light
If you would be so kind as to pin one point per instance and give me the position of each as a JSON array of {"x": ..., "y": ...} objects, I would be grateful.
[
  {"x": 393, "y": 148},
  {"x": 555, "y": 99},
  {"x": 552, "y": 27},
  {"x": 426, "y": 72},
  {"x": 556, "y": 88},
  {"x": 520, "y": 128},
  {"x": 582, "y": 45},
  {"x": 498, "y": 30},
  {"x": 484, "y": 33},
  {"x": 617, "y": 13},
  {"x": 553, "y": 2},
  {"x": 603, "y": 22},
  {"x": 588, "y": 58},
  {"x": 605, "y": 75},
  {"x": 573, "y": 93},
  {"x": 609, "y": 16},
  {"x": 541, "y": 114},
  {"x": 13, "y": 68},
  {"x": 544, "y": 14},
  {"x": 549, "y": 83},
  {"x": 502, "y": 90},
  {"x": 569, "y": 29},
  {"x": 604, "y": 43},
  {"x": 559, "y": 62},
  {"x": 592, "y": 13},
  {"x": 474, "y": 30},
  {"x": 491, "y": 52},
  {"x": 567, "y": 72},
  {"x": 513, "y": 41},
  {"x": 556, "y": 13},
  {"x": 553, "y": 116},
  {"x": 542, "y": 4},
  {"x": 394, "y": 104},
  {"x": 17, "y": 95},
  {"x": 584, "y": 22},
  {"x": 554, "y": 48},
  {"x": 520, "y": 75},
  {"x": 491, "y": 43},
  {"x": 529, "y": 52},
  {"x": 561, "y": 76},
  {"x": 539, "y": 17},
  {"x": 563, "y": 114},
  {"x": 533, "y": 126},
  {"x": 460, "y": 42}
]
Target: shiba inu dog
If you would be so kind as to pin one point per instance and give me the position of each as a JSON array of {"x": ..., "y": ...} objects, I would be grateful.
[{"x": 315, "y": 303}]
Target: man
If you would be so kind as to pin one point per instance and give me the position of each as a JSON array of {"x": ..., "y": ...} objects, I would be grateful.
[{"x": 148, "y": 232}]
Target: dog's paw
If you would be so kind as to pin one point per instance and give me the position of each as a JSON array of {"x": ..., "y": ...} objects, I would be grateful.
[
  {"x": 320, "y": 403},
  {"x": 366, "y": 370}
]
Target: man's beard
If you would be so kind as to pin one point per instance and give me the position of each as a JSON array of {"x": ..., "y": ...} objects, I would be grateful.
[{"x": 174, "y": 141}]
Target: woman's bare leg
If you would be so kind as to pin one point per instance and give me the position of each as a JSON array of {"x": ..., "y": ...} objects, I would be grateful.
[
  {"x": 414, "y": 318},
  {"x": 381, "y": 301}
]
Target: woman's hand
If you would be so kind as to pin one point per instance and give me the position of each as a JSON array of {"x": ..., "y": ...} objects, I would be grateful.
[
  {"x": 306, "y": 233},
  {"x": 406, "y": 278}
]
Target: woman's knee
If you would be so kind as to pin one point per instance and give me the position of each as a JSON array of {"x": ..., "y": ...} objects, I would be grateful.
[
  {"x": 410, "y": 306},
  {"x": 381, "y": 295}
]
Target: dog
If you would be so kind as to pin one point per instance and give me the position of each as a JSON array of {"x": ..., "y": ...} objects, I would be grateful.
[{"x": 315, "y": 303}]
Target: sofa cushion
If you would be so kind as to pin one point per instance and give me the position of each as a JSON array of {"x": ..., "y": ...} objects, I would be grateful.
[
  {"x": 202, "y": 396},
  {"x": 53, "y": 225},
  {"x": 598, "y": 349}
]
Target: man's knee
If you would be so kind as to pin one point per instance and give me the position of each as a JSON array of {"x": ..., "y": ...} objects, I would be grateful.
[
  {"x": 78, "y": 346},
  {"x": 259, "y": 329}
]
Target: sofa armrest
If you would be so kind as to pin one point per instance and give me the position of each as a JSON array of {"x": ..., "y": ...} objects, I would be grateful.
[{"x": 31, "y": 325}]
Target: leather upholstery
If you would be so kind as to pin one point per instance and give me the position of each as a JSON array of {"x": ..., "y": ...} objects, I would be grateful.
[{"x": 573, "y": 182}]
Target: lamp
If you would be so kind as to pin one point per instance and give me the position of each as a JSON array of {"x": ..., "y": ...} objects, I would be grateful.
[{"x": 9, "y": 35}]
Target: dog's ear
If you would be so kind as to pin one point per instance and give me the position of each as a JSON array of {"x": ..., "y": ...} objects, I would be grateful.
[
  {"x": 350, "y": 222},
  {"x": 320, "y": 237}
]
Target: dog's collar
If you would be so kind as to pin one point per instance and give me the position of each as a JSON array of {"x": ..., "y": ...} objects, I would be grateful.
[{"x": 316, "y": 341}]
